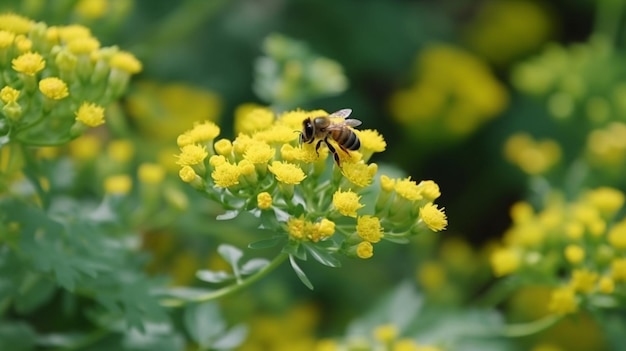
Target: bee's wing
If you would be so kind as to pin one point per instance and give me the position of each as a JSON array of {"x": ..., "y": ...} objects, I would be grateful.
[
  {"x": 352, "y": 122},
  {"x": 341, "y": 113}
]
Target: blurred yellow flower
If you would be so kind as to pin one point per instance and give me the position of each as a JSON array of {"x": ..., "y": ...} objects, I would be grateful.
[
  {"x": 118, "y": 184},
  {"x": 54, "y": 88},
  {"x": 9, "y": 94},
  {"x": 563, "y": 301},
  {"x": 532, "y": 157},
  {"x": 29, "y": 63}
]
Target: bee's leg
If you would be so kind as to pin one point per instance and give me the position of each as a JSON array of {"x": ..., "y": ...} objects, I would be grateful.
[
  {"x": 317, "y": 146},
  {"x": 334, "y": 152}
]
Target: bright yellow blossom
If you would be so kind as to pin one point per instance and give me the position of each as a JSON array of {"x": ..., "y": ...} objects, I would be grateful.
[
  {"x": 433, "y": 217},
  {"x": 125, "y": 61},
  {"x": 365, "y": 250},
  {"x": 287, "y": 173},
  {"x": 84, "y": 45},
  {"x": 359, "y": 174},
  {"x": 90, "y": 114},
  {"x": 226, "y": 175},
  {"x": 9, "y": 94},
  {"x": 54, "y": 88},
  {"x": 371, "y": 140},
  {"x": 187, "y": 174},
  {"x": 223, "y": 147},
  {"x": 6, "y": 39},
  {"x": 29, "y": 63},
  {"x": 204, "y": 132},
  {"x": 15, "y": 23},
  {"x": 347, "y": 202},
  {"x": 260, "y": 152},
  {"x": 192, "y": 155},
  {"x": 264, "y": 200},
  {"x": 408, "y": 189},
  {"x": 369, "y": 228},
  {"x": 429, "y": 190},
  {"x": 574, "y": 254}
]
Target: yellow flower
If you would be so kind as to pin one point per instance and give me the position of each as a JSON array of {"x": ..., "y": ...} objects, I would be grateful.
[
  {"x": 505, "y": 261},
  {"x": 433, "y": 217},
  {"x": 260, "y": 152},
  {"x": 618, "y": 269},
  {"x": 563, "y": 301},
  {"x": 125, "y": 61},
  {"x": 326, "y": 228},
  {"x": 83, "y": 45},
  {"x": 264, "y": 200},
  {"x": 431, "y": 276},
  {"x": 429, "y": 190},
  {"x": 72, "y": 32},
  {"x": 217, "y": 160},
  {"x": 387, "y": 184},
  {"x": 617, "y": 236},
  {"x": 607, "y": 200},
  {"x": 386, "y": 333},
  {"x": 118, "y": 184},
  {"x": 204, "y": 132},
  {"x": 121, "y": 150},
  {"x": 408, "y": 189},
  {"x": 250, "y": 118},
  {"x": 365, "y": 250},
  {"x": 371, "y": 140},
  {"x": 85, "y": 147},
  {"x": 223, "y": 147},
  {"x": 90, "y": 114},
  {"x": 28, "y": 63},
  {"x": 6, "y": 39},
  {"x": 287, "y": 173},
  {"x": 369, "y": 228},
  {"x": 8, "y": 94},
  {"x": 191, "y": 155},
  {"x": 226, "y": 175},
  {"x": 296, "y": 228},
  {"x": 277, "y": 134},
  {"x": 92, "y": 9},
  {"x": 15, "y": 23},
  {"x": 533, "y": 157},
  {"x": 574, "y": 254},
  {"x": 606, "y": 285},
  {"x": 583, "y": 280},
  {"x": 359, "y": 174},
  {"x": 151, "y": 173},
  {"x": 23, "y": 44},
  {"x": 187, "y": 174},
  {"x": 347, "y": 202},
  {"x": 54, "y": 88}
]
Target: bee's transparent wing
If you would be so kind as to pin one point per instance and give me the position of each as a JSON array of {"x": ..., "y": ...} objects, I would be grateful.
[
  {"x": 352, "y": 122},
  {"x": 341, "y": 113}
]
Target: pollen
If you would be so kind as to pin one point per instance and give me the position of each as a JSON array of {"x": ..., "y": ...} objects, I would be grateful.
[
  {"x": 53, "y": 88},
  {"x": 191, "y": 155},
  {"x": 347, "y": 202},
  {"x": 369, "y": 228},
  {"x": 287, "y": 173},
  {"x": 28, "y": 63},
  {"x": 90, "y": 114},
  {"x": 433, "y": 217}
]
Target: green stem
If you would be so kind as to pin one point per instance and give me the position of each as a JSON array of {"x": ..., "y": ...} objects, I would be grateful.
[
  {"x": 231, "y": 289},
  {"x": 32, "y": 172}
]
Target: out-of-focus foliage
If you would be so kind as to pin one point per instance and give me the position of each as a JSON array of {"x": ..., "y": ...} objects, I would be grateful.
[{"x": 156, "y": 173}]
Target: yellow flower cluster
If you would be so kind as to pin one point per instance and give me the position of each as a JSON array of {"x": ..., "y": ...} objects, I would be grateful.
[
  {"x": 452, "y": 95},
  {"x": 531, "y": 156},
  {"x": 57, "y": 80},
  {"x": 267, "y": 171},
  {"x": 582, "y": 240}
]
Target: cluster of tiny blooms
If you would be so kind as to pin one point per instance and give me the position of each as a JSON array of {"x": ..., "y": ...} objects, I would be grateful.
[
  {"x": 56, "y": 81},
  {"x": 304, "y": 193},
  {"x": 384, "y": 337},
  {"x": 578, "y": 246},
  {"x": 532, "y": 156}
]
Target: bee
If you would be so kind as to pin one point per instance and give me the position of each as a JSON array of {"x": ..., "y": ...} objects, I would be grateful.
[{"x": 323, "y": 127}]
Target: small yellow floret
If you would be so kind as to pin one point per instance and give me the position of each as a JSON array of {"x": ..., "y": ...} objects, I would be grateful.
[
  {"x": 369, "y": 228},
  {"x": 429, "y": 190},
  {"x": 90, "y": 114},
  {"x": 287, "y": 173},
  {"x": 359, "y": 174},
  {"x": 118, "y": 184},
  {"x": 505, "y": 261},
  {"x": 125, "y": 61},
  {"x": 408, "y": 189},
  {"x": 6, "y": 39},
  {"x": 606, "y": 285},
  {"x": 187, "y": 174},
  {"x": 583, "y": 280},
  {"x": 563, "y": 301},
  {"x": 85, "y": 45},
  {"x": 347, "y": 202},
  {"x": 387, "y": 184},
  {"x": 259, "y": 152},
  {"x": 204, "y": 132},
  {"x": 54, "y": 88},
  {"x": 226, "y": 175},
  {"x": 15, "y": 23},
  {"x": 151, "y": 173},
  {"x": 433, "y": 217},
  {"x": 191, "y": 155},
  {"x": 223, "y": 147},
  {"x": 365, "y": 250},
  {"x": 264, "y": 200},
  {"x": 574, "y": 254},
  {"x": 28, "y": 63},
  {"x": 9, "y": 94},
  {"x": 371, "y": 140}
]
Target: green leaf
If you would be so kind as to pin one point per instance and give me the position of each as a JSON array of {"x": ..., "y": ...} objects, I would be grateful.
[
  {"x": 214, "y": 276},
  {"x": 17, "y": 336},
  {"x": 231, "y": 254},
  {"x": 254, "y": 265},
  {"x": 300, "y": 273},
  {"x": 204, "y": 323},
  {"x": 293, "y": 248},
  {"x": 322, "y": 256},
  {"x": 265, "y": 243},
  {"x": 39, "y": 290}
]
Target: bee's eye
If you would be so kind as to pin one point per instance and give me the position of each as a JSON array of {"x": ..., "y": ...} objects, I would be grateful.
[{"x": 308, "y": 130}]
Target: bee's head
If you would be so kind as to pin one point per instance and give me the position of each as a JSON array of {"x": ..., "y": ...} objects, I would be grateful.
[{"x": 307, "y": 133}]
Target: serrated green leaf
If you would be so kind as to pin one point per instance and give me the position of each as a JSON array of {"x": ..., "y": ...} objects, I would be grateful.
[
  {"x": 322, "y": 256},
  {"x": 300, "y": 273},
  {"x": 214, "y": 276},
  {"x": 265, "y": 243},
  {"x": 204, "y": 323}
]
